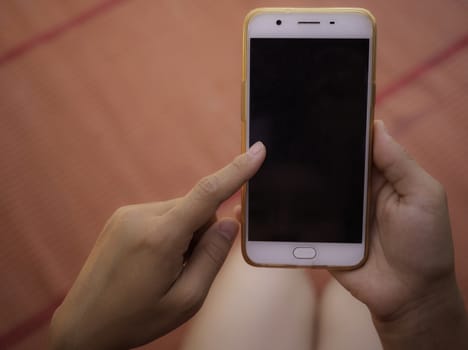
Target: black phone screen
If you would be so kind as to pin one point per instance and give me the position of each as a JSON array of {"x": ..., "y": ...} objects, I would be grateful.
[{"x": 308, "y": 104}]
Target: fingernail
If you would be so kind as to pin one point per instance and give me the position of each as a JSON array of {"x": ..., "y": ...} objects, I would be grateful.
[
  {"x": 256, "y": 148},
  {"x": 228, "y": 229}
]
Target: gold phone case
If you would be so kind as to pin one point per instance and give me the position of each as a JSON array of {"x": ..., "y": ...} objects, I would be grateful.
[{"x": 247, "y": 19}]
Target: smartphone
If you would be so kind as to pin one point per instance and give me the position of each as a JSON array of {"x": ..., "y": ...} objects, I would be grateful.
[{"x": 308, "y": 95}]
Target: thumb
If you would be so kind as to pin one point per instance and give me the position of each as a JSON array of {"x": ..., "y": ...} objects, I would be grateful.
[
  {"x": 207, "y": 258},
  {"x": 397, "y": 167}
]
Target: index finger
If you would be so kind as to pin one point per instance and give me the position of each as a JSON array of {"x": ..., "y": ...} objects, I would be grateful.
[
  {"x": 156, "y": 208},
  {"x": 200, "y": 204}
]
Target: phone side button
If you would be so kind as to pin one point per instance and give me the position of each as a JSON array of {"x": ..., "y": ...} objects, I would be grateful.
[{"x": 304, "y": 253}]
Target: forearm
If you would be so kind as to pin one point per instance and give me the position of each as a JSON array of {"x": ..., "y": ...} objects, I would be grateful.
[{"x": 437, "y": 322}]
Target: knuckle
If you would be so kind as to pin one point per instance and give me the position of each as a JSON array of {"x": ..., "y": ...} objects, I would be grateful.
[
  {"x": 120, "y": 212},
  {"x": 215, "y": 250},
  {"x": 207, "y": 186},
  {"x": 118, "y": 218},
  {"x": 128, "y": 224},
  {"x": 125, "y": 213}
]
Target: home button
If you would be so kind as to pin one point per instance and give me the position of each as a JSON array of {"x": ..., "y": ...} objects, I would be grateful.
[{"x": 304, "y": 253}]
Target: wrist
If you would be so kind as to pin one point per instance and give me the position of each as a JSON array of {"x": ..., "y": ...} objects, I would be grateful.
[
  {"x": 67, "y": 334},
  {"x": 436, "y": 320}
]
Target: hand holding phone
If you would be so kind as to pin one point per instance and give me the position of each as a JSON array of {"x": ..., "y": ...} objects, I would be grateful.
[
  {"x": 408, "y": 282},
  {"x": 308, "y": 82}
]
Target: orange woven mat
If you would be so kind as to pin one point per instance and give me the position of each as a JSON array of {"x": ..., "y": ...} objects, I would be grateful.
[{"x": 106, "y": 103}]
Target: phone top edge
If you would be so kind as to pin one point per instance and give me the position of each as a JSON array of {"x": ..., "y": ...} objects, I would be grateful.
[{"x": 271, "y": 10}]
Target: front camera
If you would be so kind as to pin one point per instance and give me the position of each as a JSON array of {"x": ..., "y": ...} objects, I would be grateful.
[{"x": 278, "y": 22}]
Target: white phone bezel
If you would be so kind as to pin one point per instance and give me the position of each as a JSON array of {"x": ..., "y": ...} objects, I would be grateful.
[{"x": 332, "y": 24}]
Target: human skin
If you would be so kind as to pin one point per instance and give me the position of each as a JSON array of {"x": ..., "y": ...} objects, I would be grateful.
[
  {"x": 138, "y": 283},
  {"x": 408, "y": 282}
]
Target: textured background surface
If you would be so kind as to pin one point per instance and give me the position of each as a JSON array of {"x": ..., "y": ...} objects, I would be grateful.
[{"x": 105, "y": 103}]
